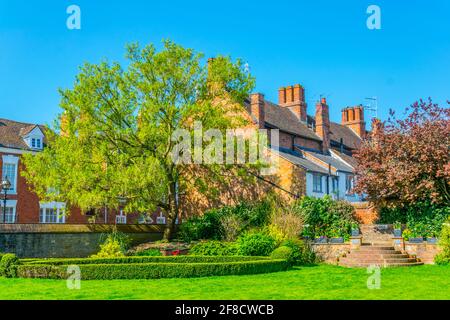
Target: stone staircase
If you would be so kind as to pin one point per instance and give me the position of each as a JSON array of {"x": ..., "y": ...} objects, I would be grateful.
[{"x": 377, "y": 249}]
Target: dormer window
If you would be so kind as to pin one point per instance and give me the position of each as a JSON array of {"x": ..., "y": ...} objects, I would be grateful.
[
  {"x": 36, "y": 143},
  {"x": 34, "y": 138}
]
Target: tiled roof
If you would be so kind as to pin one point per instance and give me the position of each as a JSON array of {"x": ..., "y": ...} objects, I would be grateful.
[
  {"x": 338, "y": 131},
  {"x": 297, "y": 159},
  {"x": 348, "y": 159},
  {"x": 12, "y": 133},
  {"x": 338, "y": 164},
  {"x": 349, "y": 138},
  {"x": 283, "y": 119}
]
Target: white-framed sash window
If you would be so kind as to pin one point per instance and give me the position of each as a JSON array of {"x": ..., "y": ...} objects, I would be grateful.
[
  {"x": 8, "y": 215},
  {"x": 121, "y": 218},
  {"x": 52, "y": 212},
  {"x": 9, "y": 170}
]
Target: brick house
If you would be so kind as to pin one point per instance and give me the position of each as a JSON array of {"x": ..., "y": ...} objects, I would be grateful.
[
  {"x": 315, "y": 159},
  {"x": 322, "y": 148},
  {"x": 24, "y": 206}
]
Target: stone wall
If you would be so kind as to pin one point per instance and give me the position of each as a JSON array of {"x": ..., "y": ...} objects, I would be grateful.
[
  {"x": 423, "y": 251},
  {"x": 67, "y": 241},
  {"x": 330, "y": 252}
]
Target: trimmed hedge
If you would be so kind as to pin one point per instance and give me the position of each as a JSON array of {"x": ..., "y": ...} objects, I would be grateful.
[
  {"x": 144, "y": 259},
  {"x": 154, "y": 270}
]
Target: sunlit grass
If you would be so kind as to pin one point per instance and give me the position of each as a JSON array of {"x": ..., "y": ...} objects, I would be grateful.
[{"x": 316, "y": 282}]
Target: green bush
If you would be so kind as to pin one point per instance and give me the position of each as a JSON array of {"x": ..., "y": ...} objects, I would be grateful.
[
  {"x": 284, "y": 253},
  {"x": 149, "y": 253},
  {"x": 423, "y": 219},
  {"x": 148, "y": 259},
  {"x": 444, "y": 243},
  {"x": 216, "y": 223},
  {"x": 214, "y": 248},
  {"x": 154, "y": 270},
  {"x": 301, "y": 252},
  {"x": 114, "y": 245},
  {"x": 8, "y": 265},
  {"x": 256, "y": 244},
  {"x": 325, "y": 217}
]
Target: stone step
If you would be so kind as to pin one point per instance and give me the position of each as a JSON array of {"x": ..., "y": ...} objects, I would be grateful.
[
  {"x": 363, "y": 265},
  {"x": 364, "y": 255},
  {"x": 378, "y": 251},
  {"x": 373, "y": 260}
]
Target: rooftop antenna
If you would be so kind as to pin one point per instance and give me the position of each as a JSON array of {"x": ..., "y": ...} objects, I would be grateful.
[{"x": 371, "y": 107}]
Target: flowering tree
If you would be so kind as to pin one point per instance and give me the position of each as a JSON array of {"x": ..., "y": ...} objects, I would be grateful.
[{"x": 407, "y": 160}]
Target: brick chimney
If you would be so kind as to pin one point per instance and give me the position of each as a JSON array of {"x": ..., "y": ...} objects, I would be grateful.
[
  {"x": 353, "y": 117},
  {"x": 257, "y": 108},
  {"x": 293, "y": 97},
  {"x": 323, "y": 124}
]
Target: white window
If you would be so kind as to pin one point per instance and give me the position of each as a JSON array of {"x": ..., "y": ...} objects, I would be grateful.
[
  {"x": 52, "y": 212},
  {"x": 161, "y": 219},
  {"x": 317, "y": 182},
  {"x": 36, "y": 143},
  {"x": 10, "y": 216},
  {"x": 121, "y": 218},
  {"x": 9, "y": 171}
]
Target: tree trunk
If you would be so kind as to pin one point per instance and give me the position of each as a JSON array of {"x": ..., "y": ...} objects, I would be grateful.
[
  {"x": 172, "y": 214},
  {"x": 169, "y": 231}
]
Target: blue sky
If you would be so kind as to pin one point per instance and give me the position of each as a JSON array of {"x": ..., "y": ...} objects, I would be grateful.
[{"x": 324, "y": 45}]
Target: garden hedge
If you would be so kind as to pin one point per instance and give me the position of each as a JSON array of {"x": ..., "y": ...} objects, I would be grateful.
[
  {"x": 142, "y": 259},
  {"x": 153, "y": 270}
]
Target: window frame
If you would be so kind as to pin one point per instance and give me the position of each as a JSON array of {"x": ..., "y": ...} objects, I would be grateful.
[
  {"x": 319, "y": 177},
  {"x": 11, "y": 160},
  {"x": 58, "y": 207}
]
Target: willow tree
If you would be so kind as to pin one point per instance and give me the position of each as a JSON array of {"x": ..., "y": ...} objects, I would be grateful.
[{"x": 114, "y": 137}]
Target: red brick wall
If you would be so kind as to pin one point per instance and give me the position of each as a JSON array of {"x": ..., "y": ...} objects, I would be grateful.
[{"x": 27, "y": 209}]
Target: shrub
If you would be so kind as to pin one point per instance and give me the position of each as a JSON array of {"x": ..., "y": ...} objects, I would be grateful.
[
  {"x": 147, "y": 259},
  {"x": 284, "y": 253},
  {"x": 256, "y": 244},
  {"x": 214, "y": 248},
  {"x": 422, "y": 218},
  {"x": 444, "y": 242},
  {"x": 110, "y": 249},
  {"x": 325, "y": 217},
  {"x": 288, "y": 223},
  {"x": 226, "y": 223},
  {"x": 155, "y": 270},
  {"x": 8, "y": 265},
  {"x": 301, "y": 252},
  {"x": 149, "y": 252},
  {"x": 202, "y": 228}
]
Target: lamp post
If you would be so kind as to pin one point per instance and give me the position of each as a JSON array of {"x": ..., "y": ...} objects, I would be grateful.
[{"x": 6, "y": 185}]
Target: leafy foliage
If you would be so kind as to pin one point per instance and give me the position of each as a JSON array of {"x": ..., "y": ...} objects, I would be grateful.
[
  {"x": 115, "y": 137},
  {"x": 115, "y": 245},
  {"x": 215, "y": 224},
  {"x": 284, "y": 253},
  {"x": 149, "y": 253},
  {"x": 302, "y": 253},
  {"x": 407, "y": 160},
  {"x": 8, "y": 265},
  {"x": 154, "y": 270},
  {"x": 214, "y": 248},
  {"x": 256, "y": 244},
  {"x": 422, "y": 219},
  {"x": 325, "y": 217},
  {"x": 444, "y": 243}
]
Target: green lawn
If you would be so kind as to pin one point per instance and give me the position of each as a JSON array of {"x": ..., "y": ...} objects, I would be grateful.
[{"x": 318, "y": 282}]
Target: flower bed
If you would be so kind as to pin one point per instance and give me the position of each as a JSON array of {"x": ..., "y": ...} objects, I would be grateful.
[{"x": 151, "y": 267}]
